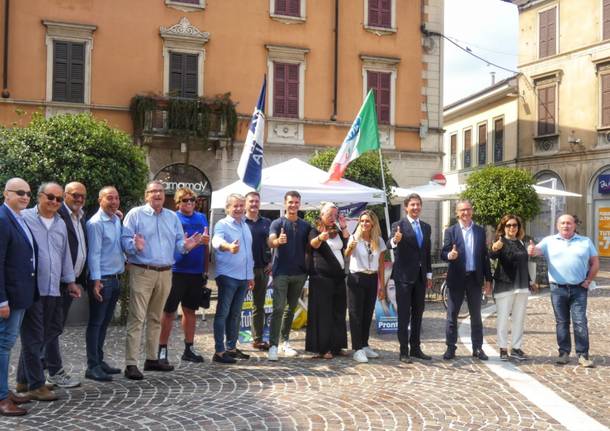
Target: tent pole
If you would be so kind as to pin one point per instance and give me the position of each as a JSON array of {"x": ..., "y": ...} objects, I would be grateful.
[{"x": 385, "y": 200}]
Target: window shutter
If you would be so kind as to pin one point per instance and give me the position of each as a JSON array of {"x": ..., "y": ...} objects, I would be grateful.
[
  {"x": 60, "y": 71},
  {"x": 294, "y": 8},
  {"x": 453, "y": 151},
  {"x": 188, "y": 1},
  {"x": 551, "y": 29},
  {"x": 606, "y": 19},
  {"x": 498, "y": 140},
  {"x": 606, "y": 100},
  {"x": 385, "y": 13},
  {"x": 380, "y": 83},
  {"x": 292, "y": 90},
  {"x": 77, "y": 73},
  {"x": 482, "y": 144},
  {"x": 183, "y": 74},
  {"x": 175, "y": 74},
  {"x": 190, "y": 75},
  {"x": 286, "y": 90},
  {"x": 467, "y": 148},
  {"x": 374, "y": 13},
  {"x": 279, "y": 90},
  {"x": 547, "y": 28},
  {"x": 546, "y": 111}
]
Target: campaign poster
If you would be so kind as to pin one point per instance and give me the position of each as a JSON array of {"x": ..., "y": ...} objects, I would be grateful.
[
  {"x": 603, "y": 228},
  {"x": 245, "y": 331},
  {"x": 386, "y": 316}
]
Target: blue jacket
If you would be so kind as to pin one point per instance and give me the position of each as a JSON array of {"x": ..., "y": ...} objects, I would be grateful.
[
  {"x": 17, "y": 272},
  {"x": 456, "y": 273}
]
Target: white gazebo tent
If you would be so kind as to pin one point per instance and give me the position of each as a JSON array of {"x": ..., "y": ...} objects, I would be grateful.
[{"x": 309, "y": 181}]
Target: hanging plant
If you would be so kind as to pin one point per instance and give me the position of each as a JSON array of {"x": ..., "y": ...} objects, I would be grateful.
[{"x": 137, "y": 108}]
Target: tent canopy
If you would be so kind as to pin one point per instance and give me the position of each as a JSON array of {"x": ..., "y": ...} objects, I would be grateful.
[
  {"x": 294, "y": 174},
  {"x": 434, "y": 191}
]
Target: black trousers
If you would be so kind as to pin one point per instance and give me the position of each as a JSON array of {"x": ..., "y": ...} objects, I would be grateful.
[
  {"x": 410, "y": 299},
  {"x": 42, "y": 325},
  {"x": 327, "y": 303},
  {"x": 361, "y": 295},
  {"x": 473, "y": 292}
]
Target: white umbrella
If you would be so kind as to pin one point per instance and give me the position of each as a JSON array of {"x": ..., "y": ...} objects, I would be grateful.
[{"x": 547, "y": 191}]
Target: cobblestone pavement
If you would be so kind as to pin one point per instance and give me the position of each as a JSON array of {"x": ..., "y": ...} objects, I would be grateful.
[{"x": 306, "y": 393}]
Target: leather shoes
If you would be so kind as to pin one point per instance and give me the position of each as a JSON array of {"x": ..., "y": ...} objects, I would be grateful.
[
  {"x": 223, "y": 358},
  {"x": 261, "y": 345},
  {"x": 157, "y": 365},
  {"x": 23, "y": 387},
  {"x": 420, "y": 355},
  {"x": 18, "y": 399},
  {"x": 96, "y": 373},
  {"x": 108, "y": 369},
  {"x": 42, "y": 394},
  {"x": 132, "y": 373},
  {"x": 405, "y": 358},
  {"x": 480, "y": 354},
  {"x": 237, "y": 354},
  {"x": 9, "y": 408},
  {"x": 449, "y": 353}
]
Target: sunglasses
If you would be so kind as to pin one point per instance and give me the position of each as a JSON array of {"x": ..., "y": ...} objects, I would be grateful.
[
  {"x": 187, "y": 200},
  {"x": 509, "y": 225},
  {"x": 77, "y": 195},
  {"x": 21, "y": 193},
  {"x": 51, "y": 197}
]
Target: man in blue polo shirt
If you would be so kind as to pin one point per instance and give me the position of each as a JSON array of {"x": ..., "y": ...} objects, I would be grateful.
[{"x": 573, "y": 264}]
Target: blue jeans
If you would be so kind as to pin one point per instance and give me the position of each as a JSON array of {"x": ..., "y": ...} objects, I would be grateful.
[
  {"x": 571, "y": 300},
  {"x": 100, "y": 315},
  {"x": 231, "y": 294},
  {"x": 9, "y": 329}
]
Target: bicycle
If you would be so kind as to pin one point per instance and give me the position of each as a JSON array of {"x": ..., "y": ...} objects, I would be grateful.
[{"x": 463, "y": 313}]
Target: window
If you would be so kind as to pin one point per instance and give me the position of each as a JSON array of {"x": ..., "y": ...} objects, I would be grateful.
[
  {"x": 379, "y": 82},
  {"x": 550, "y": 206},
  {"x": 183, "y": 59},
  {"x": 605, "y": 99},
  {"x": 467, "y": 148},
  {"x": 498, "y": 140},
  {"x": 183, "y": 74},
  {"x": 68, "y": 62},
  {"x": 606, "y": 19},
  {"x": 482, "y": 144},
  {"x": 547, "y": 32},
  {"x": 286, "y": 90},
  {"x": 546, "y": 110},
  {"x": 287, "y": 7},
  {"x": 379, "y": 13},
  {"x": 68, "y": 72},
  {"x": 186, "y": 5},
  {"x": 453, "y": 153}
]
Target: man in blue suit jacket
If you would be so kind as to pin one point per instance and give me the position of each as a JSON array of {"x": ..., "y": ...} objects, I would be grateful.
[
  {"x": 465, "y": 249},
  {"x": 17, "y": 282}
]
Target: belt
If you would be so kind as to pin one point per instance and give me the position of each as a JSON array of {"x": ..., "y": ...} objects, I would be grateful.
[
  {"x": 367, "y": 272},
  {"x": 111, "y": 276},
  {"x": 153, "y": 267},
  {"x": 567, "y": 285}
]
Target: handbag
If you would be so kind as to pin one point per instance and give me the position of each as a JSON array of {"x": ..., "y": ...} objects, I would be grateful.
[{"x": 206, "y": 294}]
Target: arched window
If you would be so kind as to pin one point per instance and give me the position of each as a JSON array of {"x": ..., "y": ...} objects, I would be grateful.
[{"x": 550, "y": 207}]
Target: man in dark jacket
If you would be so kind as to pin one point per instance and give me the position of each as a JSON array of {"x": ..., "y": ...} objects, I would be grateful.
[
  {"x": 17, "y": 282},
  {"x": 465, "y": 249},
  {"x": 412, "y": 273}
]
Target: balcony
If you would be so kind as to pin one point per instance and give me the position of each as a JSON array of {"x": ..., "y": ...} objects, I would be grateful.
[{"x": 201, "y": 120}]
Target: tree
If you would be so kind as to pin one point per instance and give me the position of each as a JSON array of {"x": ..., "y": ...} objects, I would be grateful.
[
  {"x": 74, "y": 148},
  {"x": 496, "y": 191}
]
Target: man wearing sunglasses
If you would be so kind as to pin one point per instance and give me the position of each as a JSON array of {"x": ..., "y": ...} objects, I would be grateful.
[
  {"x": 17, "y": 282},
  {"x": 71, "y": 212},
  {"x": 43, "y": 321},
  {"x": 189, "y": 275},
  {"x": 151, "y": 235}
]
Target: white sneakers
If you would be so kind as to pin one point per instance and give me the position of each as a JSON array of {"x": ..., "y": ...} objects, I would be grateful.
[
  {"x": 288, "y": 351},
  {"x": 370, "y": 353},
  {"x": 285, "y": 350},
  {"x": 272, "y": 354},
  {"x": 360, "y": 356}
]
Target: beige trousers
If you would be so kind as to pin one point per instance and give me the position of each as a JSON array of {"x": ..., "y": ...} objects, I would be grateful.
[{"x": 148, "y": 292}]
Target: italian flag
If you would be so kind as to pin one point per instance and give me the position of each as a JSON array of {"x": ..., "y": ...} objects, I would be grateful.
[{"x": 363, "y": 136}]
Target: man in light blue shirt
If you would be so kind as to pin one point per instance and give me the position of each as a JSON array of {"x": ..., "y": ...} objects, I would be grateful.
[
  {"x": 232, "y": 242},
  {"x": 573, "y": 263},
  {"x": 106, "y": 263},
  {"x": 151, "y": 235},
  {"x": 43, "y": 321}
]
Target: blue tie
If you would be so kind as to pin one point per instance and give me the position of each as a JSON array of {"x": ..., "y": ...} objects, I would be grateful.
[{"x": 418, "y": 233}]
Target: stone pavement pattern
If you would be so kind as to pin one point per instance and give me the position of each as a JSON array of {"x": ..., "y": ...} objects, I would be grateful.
[{"x": 305, "y": 393}]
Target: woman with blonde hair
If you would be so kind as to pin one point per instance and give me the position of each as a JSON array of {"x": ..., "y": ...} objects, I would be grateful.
[
  {"x": 366, "y": 271},
  {"x": 511, "y": 284}
]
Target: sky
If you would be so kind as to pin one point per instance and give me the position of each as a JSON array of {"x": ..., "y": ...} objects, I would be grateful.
[{"x": 489, "y": 28}]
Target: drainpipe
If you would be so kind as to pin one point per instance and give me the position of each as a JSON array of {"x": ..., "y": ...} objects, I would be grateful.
[
  {"x": 5, "y": 93},
  {"x": 333, "y": 117}
]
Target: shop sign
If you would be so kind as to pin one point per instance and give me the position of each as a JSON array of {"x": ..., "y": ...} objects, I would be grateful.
[
  {"x": 180, "y": 175},
  {"x": 603, "y": 184},
  {"x": 603, "y": 228}
]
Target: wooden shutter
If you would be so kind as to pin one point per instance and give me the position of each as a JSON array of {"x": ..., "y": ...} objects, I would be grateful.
[
  {"x": 498, "y": 140},
  {"x": 605, "y": 100},
  {"x": 374, "y": 13},
  {"x": 546, "y": 33},
  {"x": 183, "y": 74},
  {"x": 467, "y": 148},
  {"x": 68, "y": 72},
  {"x": 453, "y": 152},
  {"x": 482, "y": 144},
  {"x": 188, "y": 1},
  {"x": 546, "y": 110},
  {"x": 380, "y": 82},
  {"x": 606, "y": 19},
  {"x": 286, "y": 90},
  {"x": 380, "y": 13},
  {"x": 288, "y": 7}
]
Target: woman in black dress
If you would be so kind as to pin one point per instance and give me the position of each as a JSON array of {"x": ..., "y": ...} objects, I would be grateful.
[{"x": 326, "y": 328}]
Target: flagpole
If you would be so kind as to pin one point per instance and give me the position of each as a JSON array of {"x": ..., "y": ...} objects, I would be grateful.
[{"x": 385, "y": 207}]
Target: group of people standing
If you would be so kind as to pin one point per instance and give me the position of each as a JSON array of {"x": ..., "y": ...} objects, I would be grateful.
[{"x": 48, "y": 253}]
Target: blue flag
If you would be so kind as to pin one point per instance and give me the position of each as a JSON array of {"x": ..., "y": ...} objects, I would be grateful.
[{"x": 250, "y": 168}]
